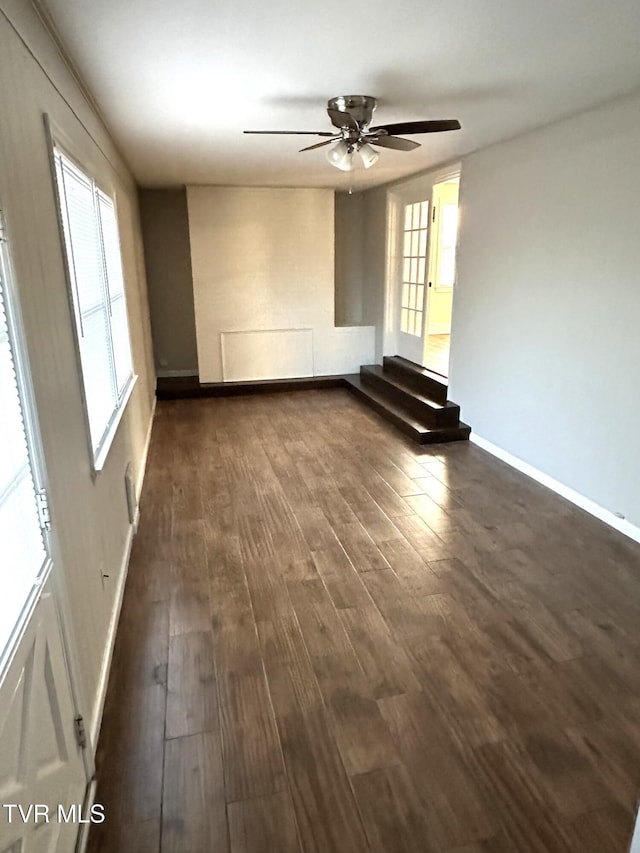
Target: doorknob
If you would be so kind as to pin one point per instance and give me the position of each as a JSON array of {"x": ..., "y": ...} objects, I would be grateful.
[{"x": 429, "y": 284}]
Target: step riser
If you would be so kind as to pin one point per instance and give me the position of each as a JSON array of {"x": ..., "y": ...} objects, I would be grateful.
[
  {"x": 460, "y": 433},
  {"x": 433, "y": 418},
  {"x": 403, "y": 422},
  {"x": 404, "y": 427},
  {"x": 421, "y": 384}
]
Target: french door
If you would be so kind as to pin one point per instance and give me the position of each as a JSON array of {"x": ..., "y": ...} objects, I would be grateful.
[
  {"x": 42, "y": 771},
  {"x": 412, "y": 274}
]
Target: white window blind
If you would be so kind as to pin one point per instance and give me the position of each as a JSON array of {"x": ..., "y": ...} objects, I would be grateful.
[
  {"x": 97, "y": 289},
  {"x": 23, "y": 553},
  {"x": 115, "y": 283}
]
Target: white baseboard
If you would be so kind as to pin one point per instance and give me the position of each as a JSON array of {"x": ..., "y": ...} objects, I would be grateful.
[
  {"x": 103, "y": 681},
  {"x": 166, "y": 374},
  {"x": 439, "y": 329},
  {"x": 635, "y": 841},
  {"x": 101, "y": 692},
  {"x": 145, "y": 452},
  {"x": 83, "y": 832},
  {"x": 610, "y": 518}
]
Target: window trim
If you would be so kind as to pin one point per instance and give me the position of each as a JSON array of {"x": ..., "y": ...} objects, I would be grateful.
[
  {"x": 56, "y": 139},
  {"x": 102, "y": 451}
]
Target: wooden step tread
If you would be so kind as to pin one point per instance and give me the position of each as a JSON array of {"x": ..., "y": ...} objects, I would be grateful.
[
  {"x": 413, "y": 367},
  {"x": 366, "y": 390},
  {"x": 395, "y": 381},
  {"x": 403, "y": 419},
  {"x": 424, "y": 381}
]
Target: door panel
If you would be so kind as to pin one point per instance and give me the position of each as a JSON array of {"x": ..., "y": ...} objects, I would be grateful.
[
  {"x": 442, "y": 267},
  {"x": 40, "y": 761},
  {"x": 442, "y": 254},
  {"x": 412, "y": 275},
  {"x": 41, "y": 765}
]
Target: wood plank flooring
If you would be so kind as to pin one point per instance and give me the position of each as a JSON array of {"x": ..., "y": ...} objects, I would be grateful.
[
  {"x": 333, "y": 640},
  {"x": 436, "y": 353}
]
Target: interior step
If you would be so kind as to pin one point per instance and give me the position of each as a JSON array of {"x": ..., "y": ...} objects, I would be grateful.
[
  {"x": 401, "y": 417},
  {"x": 428, "y": 411},
  {"x": 423, "y": 381}
]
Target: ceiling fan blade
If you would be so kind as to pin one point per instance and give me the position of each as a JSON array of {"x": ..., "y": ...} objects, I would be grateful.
[
  {"x": 319, "y": 144},
  {"x": 340, "y": 119},
  {"x": 292, "y": 132},
  {"x": 435, "y": 126},
  {"x": 394, "y": 142}
]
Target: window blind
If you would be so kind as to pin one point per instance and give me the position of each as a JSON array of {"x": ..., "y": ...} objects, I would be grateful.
[
  {"x": 97, "y": 287},
  {"x": 115, "y": 285},
  {"x": 23, "y": 552}
]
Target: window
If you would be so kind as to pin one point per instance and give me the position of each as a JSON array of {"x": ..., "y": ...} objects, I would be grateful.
[
  {"x": 24, "y": 555},
  {"x": 414, "y": 263},
  {"x": 98, "y": 299}
]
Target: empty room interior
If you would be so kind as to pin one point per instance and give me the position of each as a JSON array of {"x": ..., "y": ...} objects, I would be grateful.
[{"x": 319, "y": 482}]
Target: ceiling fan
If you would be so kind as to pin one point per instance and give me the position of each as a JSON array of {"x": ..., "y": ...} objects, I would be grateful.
[{"x": 351, "y": 116}]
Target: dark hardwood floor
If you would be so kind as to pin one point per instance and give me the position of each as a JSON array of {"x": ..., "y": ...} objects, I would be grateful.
[
  {"x": 436, "y": 353},
  {"x": 334, "y": 640}
]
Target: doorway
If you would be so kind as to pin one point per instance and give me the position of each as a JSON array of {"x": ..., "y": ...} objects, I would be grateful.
[
  {"x": 422, "y": 228},
  {"x": 441, "y": 275}
]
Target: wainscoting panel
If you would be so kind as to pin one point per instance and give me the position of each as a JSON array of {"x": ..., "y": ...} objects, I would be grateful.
[{"x": 266, "y": 354}]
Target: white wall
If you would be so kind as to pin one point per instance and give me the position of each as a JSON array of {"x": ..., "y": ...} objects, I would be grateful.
[
  {"x": 263, "y": 263},
  {"x": 165, "y": 230},
  {"x": 545, "y": 357},
  {"x": 375, "y": 253},
  {"x": 90, "y": 523},
  {"x": 635, "y": 841},
  {"x": 349, "y": 272}
]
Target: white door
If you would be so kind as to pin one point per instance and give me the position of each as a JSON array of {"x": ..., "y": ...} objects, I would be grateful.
[
  {"x": 412, "y": 274},
  {"x": 41, "y": 764},
  {"x": 441, "y": 275}
]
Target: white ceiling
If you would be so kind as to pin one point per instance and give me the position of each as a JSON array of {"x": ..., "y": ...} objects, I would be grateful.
[{"x": 178, "y": 82}]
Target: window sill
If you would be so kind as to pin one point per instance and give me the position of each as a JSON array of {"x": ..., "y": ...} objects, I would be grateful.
[{"x": 101, "y": 456}]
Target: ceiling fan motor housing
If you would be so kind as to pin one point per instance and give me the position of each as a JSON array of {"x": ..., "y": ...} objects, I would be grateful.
[{"x": 359, "y": 107}]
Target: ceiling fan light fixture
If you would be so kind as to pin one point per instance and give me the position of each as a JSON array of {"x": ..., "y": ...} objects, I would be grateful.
[
  {"x": 340, "y": 155},
  {"x": 369, "y": 155},
  {"x": 351, "y": 117}
]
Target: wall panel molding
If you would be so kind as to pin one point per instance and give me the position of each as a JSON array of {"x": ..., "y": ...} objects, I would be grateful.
[{"x": 266, "y": 354}]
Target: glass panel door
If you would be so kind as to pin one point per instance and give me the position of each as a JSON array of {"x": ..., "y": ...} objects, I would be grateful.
[{"x": 23, "y": 553}]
